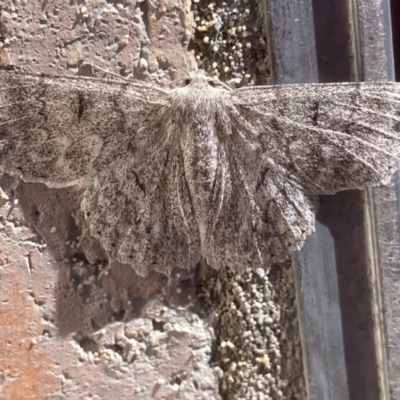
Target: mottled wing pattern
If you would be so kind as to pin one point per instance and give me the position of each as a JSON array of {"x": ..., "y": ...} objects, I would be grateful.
[
  {"x": 58, "y": 130},
  {"x": 262, "y": 213},
  {"x": 288, "y": 144},
  {"x": 116, "y": 139},
  {"x": 333, "y": 136},
  {"x": 141, "y": 209},
  {"x": 248, "y": 201},
  {"x": 261, "y": 220}
]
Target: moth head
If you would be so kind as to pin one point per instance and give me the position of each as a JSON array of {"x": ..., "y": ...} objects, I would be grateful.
[{"x": 199, "y": 80}]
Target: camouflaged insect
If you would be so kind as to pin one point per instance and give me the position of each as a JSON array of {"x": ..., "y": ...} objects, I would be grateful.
[{"x": 198, "y": 170}]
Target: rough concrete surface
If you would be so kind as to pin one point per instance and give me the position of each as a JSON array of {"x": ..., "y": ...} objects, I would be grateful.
[{"x": 72, "y": 326}]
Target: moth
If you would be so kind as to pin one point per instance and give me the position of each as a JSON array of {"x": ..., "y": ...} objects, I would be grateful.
[{"x": 198, "y": 170}]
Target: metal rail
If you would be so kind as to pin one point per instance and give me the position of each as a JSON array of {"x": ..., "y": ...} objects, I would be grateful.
[{"x": 348, "y": 272}]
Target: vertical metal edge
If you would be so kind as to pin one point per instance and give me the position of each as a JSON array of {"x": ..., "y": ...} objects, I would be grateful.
[
  {"x": 280, "y": 55},
  {"x": 292, "y": 47},
  {"x": 289, "y": 27},
  {"x": 373, "y": 39},
  {"x": 377, "y": 296},
  {"x": 354, "y": 28},
  {"x": 320, "y": 318},
  {"x": 310, "y": 388},
  {"x": 373, "y": 44},
  {"x": 372, "y": 57}
]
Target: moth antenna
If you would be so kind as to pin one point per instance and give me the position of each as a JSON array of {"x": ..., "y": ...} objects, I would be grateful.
[{"x": 105, "y": 71}]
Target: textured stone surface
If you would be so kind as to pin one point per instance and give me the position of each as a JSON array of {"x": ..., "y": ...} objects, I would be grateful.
[
  {"x": 125, "y": 37},
  {"x": 72, "y": 326},
  {"x": 258, "y": 350}
]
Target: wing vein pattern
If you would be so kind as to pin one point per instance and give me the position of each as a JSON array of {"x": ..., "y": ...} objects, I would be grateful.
[{"x": 198, "y": 170}]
